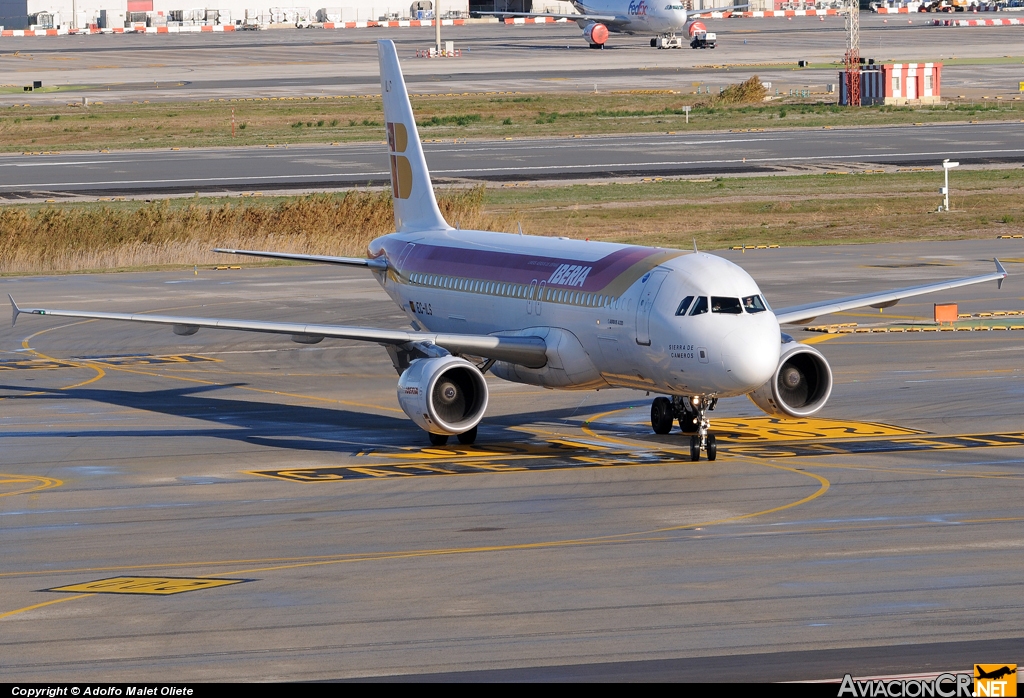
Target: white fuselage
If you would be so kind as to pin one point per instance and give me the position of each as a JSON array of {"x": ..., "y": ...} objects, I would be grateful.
[
  {"x": 608, "y": 312},
  {"x": 642, "y": 16}
]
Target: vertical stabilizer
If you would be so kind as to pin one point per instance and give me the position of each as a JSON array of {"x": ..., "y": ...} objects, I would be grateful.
[{"x": 415, "y": 205}]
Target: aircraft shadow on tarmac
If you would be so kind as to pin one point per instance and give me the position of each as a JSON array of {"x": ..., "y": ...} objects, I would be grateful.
[{"x": 273, "y": 424}]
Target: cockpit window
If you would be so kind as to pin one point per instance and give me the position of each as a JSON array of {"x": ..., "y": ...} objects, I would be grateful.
[
  {"x": 727, "y": 306},
  {"x": 684, "y": 305},
  {"x": 754, "y": 304},
  {"x": 700, "y": 307}
]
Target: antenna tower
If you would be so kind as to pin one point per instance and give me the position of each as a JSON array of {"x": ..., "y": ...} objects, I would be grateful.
[{"x": 853, "y": 53}]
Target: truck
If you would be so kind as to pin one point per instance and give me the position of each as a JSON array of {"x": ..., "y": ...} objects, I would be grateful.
[{"x": 704, "y": 40}]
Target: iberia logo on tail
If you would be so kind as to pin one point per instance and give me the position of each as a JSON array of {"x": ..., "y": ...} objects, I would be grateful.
[{"x": 401, "y": 170}]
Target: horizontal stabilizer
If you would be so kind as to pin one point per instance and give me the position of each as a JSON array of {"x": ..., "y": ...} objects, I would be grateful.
[{"x": 377, "y": 264}]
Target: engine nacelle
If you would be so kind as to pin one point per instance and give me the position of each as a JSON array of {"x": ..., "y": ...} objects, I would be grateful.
[
  {"x": 800, "y": 386},
  {"x": 596, "y": 33},
  {"x": 694, "y": 28},
  {"x": 444, "y": 395}
]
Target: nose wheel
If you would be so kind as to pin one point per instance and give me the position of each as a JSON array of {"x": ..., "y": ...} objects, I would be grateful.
[{"x": 692, "y": 415}]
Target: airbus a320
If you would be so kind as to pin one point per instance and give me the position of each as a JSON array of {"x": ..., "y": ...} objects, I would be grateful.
[{"x": 565, "y": 314}]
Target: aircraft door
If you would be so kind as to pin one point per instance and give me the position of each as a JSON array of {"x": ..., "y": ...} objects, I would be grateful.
[
  {"x": 540, "y": 296},
  {"x": 648, "y": 293},
  {"x": 530, "y": 298}
]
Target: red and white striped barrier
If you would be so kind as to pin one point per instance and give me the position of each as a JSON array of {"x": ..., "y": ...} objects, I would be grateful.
[
  {"x": 978, "y": 22},
  {"x": 394, "y": 24},
  {"x": 893, "y": 11},
  {"x": 774, "y": 13},
  {"x": 430, "y": 53}
]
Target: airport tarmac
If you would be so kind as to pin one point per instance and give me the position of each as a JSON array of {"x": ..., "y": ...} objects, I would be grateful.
[
  {"x": 494, "y": 57},
  {"x": 318, "y": 167},
  {"x": 237, "y": 507}
]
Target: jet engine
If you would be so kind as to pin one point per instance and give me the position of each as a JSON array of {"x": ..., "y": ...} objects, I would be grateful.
[
  {"x": 444, "y": 395},
  {"x": 596, "y": 33},
  {"x": 694, "y": 28},
  {"x": 800, "y": 386}
]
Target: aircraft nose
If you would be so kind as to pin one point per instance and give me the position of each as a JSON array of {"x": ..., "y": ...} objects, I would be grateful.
[{"x": 750, "y": 355}]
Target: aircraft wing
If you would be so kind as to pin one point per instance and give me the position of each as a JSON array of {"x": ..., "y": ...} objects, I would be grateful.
[
  {"x": 885, "y": 299},
  {"x": 376, "y": 264},
  {"x": 525, "y": 351},
  {"x": 573, "y": 17},
  {"x": 724, "y": 8}
]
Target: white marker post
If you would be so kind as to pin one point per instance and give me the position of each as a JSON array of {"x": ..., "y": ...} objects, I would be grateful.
[
  {"x": 686, "y": 110},
  {"x": 946, "y": 167}
]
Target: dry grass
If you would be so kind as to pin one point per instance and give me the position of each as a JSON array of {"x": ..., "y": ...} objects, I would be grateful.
[
  {"x": 804, "y": 210},
  {"x": 77, "y": 237}
]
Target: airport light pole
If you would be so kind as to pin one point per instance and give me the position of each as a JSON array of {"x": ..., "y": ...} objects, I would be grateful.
[
  {"x": 946, "y": 167},
  {"x": 437, "y": 26}
]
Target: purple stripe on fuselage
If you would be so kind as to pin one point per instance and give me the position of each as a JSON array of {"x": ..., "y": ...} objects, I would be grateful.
[{"x": 507, "y": 267}]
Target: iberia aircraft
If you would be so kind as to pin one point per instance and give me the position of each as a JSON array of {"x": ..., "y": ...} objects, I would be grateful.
[
  {"x": 558, "y": 313},
  {"x": 599, "y": 17}
]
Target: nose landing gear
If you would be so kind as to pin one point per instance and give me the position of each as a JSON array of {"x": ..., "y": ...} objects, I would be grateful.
[{"x": 692, "y": 414}]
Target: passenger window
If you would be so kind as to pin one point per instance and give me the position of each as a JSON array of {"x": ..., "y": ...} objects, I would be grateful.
[
  {"x": 701, "y": 306},
  {"x": 754, "y": 304},
  {"x": 684, "y": 305},
  {"x": 726, "y": 306}
]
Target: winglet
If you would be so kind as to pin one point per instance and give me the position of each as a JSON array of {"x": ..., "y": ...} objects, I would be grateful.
[
  {"x": 15, "y": 310},
  {"x": 999, "y": 270}
]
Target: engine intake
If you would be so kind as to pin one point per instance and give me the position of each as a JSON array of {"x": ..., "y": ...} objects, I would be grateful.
[
  {"x": 596, "y": 33},
  {"x": 444, "y": 395},
  {"x": 800, "y": 386}
]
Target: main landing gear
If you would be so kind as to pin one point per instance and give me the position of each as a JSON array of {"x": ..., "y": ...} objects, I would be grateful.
[
  {"x": 692, "y": 414},
  {"x": 466, "y": 437}
]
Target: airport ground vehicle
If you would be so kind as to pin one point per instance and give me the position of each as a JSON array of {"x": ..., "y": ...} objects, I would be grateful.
[{"x": 557, "y": 313}]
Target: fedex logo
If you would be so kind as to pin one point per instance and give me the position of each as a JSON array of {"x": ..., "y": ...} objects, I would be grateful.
[
  {"x": 638, "y": 8},
  {"x": 569, "y": 275}
]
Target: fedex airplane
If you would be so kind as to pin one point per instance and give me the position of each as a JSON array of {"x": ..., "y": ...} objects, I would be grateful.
[
  {"x": 558, "y": 313},
  {"x": 599, "y": 17}
]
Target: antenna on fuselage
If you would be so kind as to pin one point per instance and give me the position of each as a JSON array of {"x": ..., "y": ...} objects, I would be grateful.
[
  {"x": 695, "y": 245},
  {"x": 520, "y": 227}
]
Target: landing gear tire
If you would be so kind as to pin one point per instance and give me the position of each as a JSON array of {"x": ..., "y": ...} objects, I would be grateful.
[
  {"x": 654, "y": 43},
  {"x": 661, "y": 415},
  {"x": 695, "y": 448},
  {"x": 468, "y": 437},
  {"x": 597, "y": 46},
  {"x": 438, "y": 439},
  {"x": 689, "y": 422},
  {"x": 712, "y": 447}
]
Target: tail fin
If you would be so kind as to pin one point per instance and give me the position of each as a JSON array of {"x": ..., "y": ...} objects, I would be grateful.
[{"x": 415, "y": 205}]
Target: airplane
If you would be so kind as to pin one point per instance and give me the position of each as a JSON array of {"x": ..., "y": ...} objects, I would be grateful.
[
  {"x": 599, "y": 17},
  {"x": 996, "y": 674},
  {"x": 558, "y": 313}
]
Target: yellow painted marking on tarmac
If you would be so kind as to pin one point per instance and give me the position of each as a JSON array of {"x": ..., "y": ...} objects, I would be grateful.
[
  {"x": 86, "y": 364},
  {"x": 160, "y": 586},
  {"x": 33, "y": 607},
  {"x": 821, "y": 338},
  {"x": 37, "y": 483},
  {"x": 775, "y": 429}
]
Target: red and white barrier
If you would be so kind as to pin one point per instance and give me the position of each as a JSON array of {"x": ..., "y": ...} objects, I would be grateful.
[{"x": 978, "y": 22}]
